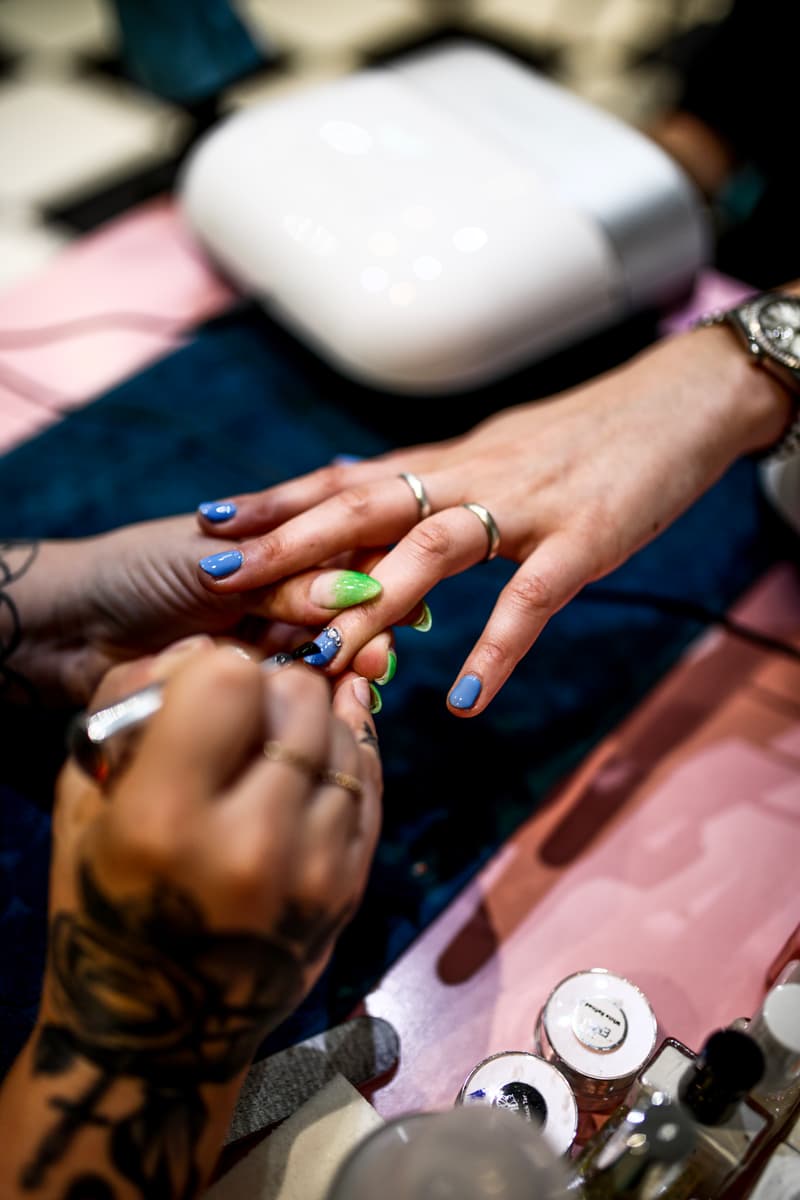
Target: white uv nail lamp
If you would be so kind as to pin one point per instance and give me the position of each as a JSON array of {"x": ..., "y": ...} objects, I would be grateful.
[{"x": 435, "y": 223}]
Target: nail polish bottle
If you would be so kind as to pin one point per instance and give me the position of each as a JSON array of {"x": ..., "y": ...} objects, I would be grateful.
[
  {"x": 523, "y": 1083},
  {"x": 779, "y": 1178},
  {"x": 599, "y": 1029},
  {"x": 472, "y": 1154},
  {"x": 776, "y": 1028},
  {"x": 644, "y": 1155},
  {"x": 712, "y": 1089}
]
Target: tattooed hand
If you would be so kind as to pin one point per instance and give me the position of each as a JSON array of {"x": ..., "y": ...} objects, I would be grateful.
[{"x": 193, "y": 904}]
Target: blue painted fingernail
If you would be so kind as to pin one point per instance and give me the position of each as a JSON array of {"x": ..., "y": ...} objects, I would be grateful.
[
  {"x": 466, "y": 692},
  {"x": 217, "y": 510},
  {"x": 220, "y": 565},
  {"x": 330, "y": 643},
  {"x": 346, "y": 460}
]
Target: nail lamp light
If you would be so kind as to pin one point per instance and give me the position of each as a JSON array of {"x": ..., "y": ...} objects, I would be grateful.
[{"x": 435, "y": 223}]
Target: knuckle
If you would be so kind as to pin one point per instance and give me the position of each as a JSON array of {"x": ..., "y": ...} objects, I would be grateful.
[
  {"x": 430, "y": 541},
  {"x": 333, "y": 477},
  {"x": 355, "y": 503},
  {"x": 530, "y": 594},
  {"x": 495, "y": 653}
]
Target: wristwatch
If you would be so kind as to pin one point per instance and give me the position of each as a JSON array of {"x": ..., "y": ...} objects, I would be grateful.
[{"x": 768, "y": 325}]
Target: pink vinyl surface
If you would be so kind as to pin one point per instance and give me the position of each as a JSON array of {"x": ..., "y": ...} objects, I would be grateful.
[
  {"x": 669, "y": 858},
  {"x": 125, "y": 292}
]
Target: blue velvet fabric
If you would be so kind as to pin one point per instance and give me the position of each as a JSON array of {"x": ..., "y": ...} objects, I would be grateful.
[{"x": 242, "y": 407}]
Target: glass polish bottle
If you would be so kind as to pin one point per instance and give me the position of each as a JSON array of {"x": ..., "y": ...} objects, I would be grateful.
[
  {"x": 711, "y": 1088},
  {"x": 643, "y": 1155}
]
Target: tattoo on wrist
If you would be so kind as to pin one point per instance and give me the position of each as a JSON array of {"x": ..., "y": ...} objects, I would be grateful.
[
  {"x": 145, "y": 991},
  {"x": 16, "y": 559}
]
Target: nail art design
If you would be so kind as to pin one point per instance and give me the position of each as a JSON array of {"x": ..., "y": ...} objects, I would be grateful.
[
  {"x": 376, "y": 702},
  {"x": 343, "y": 589},
  {"x": 465, "y": 692},
  {"x": 329, "y": 643},
  {"x": 217, "y": 510},
  {"x": 391, "y": 667},
  {"x": 218, "y": 566},
  {"x": 424, "y": 621},
  {"x": 286, "y": 656}
]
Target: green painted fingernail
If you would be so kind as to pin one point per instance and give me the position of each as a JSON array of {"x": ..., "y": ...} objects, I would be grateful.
[
  {"x": 424, "y": 621},
  {"x": 343, "y": 589},
  {"x": 391, "y": 667},
  {"x": 377, "y": 699}
]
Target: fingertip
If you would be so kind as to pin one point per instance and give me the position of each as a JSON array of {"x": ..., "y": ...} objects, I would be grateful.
[{"x": 217, "y": 512}]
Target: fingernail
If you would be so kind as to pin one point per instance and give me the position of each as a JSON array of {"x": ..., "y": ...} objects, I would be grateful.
[
  {"x": 330, "y": 643},
  {"x": 375, "y": 699},
  {"x": 222, "y": 564},
  {"x": 424, "y": 620},
  {"x": 466, "y": 692},
  {"x": 346, "y": 460},
  {"x": 391, "y": 667},
  {"x": 217, "y": 510},
  {"x": 342, "y": 589},
  {"x": 363, "y": 692}
]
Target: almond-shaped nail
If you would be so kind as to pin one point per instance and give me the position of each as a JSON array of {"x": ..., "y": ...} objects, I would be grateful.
[
  {"x": 217, "y": 510},
  {"x": 391, "y": 667},
  {"x": 330, "y": 643},
  {"x": 342, "y": 589},
  {"x": 376, "y": 699},
  {"x": 424, "y": 620}
]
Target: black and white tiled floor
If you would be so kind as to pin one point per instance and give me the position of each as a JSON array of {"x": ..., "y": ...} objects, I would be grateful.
[{"x": 80, "y": 142}]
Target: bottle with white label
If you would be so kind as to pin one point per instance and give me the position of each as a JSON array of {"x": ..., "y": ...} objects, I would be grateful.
[{"x": 599, "y": 1029}]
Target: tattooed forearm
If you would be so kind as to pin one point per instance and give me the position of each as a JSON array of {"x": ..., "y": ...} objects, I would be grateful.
[
  {"x": 16, "y": 559},
  {"x": 146, "y": 993}
]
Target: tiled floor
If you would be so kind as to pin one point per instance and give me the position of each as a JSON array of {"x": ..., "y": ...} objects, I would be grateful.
[{"x": 80, "y": 141}]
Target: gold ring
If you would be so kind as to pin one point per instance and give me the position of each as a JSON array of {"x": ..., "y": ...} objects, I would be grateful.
[
  {"x": 278, "y": 752},
  {"x": 420, "y": 495},
  {"x": 343, "y": 780},
  {"x": 492, "y": 532}
]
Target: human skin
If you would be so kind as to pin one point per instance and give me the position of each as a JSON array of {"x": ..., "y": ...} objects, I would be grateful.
[
  {"x": 194, "y": 901},
  {"x": 576, "y": 484}
]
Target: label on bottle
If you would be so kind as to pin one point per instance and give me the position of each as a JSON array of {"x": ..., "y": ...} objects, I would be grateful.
[{"x": 599, "y": 1024}]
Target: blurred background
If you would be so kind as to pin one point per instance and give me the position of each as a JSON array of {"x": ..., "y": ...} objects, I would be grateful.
[{"x": 97, "y": 105}]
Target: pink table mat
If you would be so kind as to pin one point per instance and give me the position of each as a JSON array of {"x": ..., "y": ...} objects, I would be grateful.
[
  {"x": 105, "y": 307},
  {"x": 671, "y": 858}
]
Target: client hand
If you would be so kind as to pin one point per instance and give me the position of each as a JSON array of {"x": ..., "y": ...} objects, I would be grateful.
[{"x": 575, "y": 484}]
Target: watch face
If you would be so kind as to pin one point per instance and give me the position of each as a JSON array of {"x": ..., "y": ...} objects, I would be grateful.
[{"x": 774, "y": 323}]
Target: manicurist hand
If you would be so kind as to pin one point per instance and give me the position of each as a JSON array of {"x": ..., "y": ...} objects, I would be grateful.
[
  {"x": 574, "y": 485},
  {"x": 194, "y": 902},
  {"x": 71, "y": 609}
]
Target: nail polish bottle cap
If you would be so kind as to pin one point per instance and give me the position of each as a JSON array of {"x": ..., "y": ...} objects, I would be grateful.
[
  {"x": 474, "y": 1154},
  {"x": 776, "y": 1028},
  {"x": 599, "y": 1030},
  {"x": 728, "y": 1066},
  {"x": 524, "y": 1083}
]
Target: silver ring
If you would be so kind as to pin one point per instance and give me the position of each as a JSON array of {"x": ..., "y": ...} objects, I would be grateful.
[
  {"x": 492, "y": 532},
  {"x": 420, "y": 495}
]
